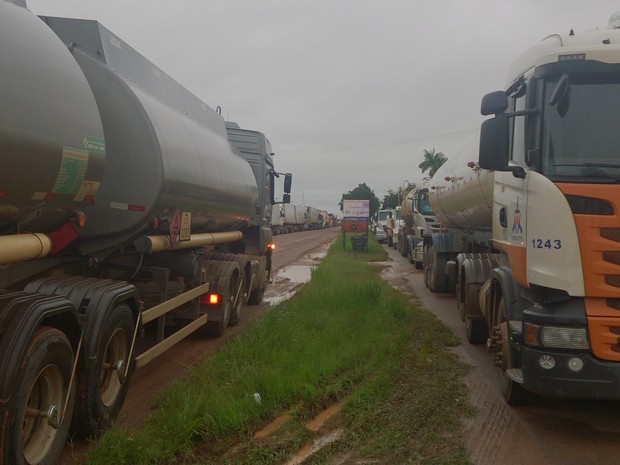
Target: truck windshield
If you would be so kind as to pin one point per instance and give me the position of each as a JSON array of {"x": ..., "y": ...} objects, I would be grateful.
[
  {"x": 383, "y": 215},
  {"x": 581, "y": 136},
  {"x": 422, "y": 204}
]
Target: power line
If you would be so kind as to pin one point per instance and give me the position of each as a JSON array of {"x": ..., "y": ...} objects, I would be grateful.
[{"x": 350, "y": 148}]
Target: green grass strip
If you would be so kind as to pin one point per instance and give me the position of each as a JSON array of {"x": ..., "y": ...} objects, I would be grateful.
[{"x": 346, "y": 335}]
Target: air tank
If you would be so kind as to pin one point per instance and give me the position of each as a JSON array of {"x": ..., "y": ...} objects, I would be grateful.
[
  {"x": 461, "y": 194},
  {"x": 50, "y": 129}
]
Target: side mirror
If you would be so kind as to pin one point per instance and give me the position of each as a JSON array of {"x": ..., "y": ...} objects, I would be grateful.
[
  {"x": 288, "y": 181},
  {"x": 494, "y": 103},
  {"x": 286, "y": 198},
  {"x": 493, "y": 154}
]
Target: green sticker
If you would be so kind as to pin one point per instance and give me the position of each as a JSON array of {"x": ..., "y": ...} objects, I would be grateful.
[
  {"x": 72, "y": 171},
  {"x": 94, "y": 144}
]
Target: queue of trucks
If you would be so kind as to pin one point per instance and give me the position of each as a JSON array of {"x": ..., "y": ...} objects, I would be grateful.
[
  {"x": 287, "y": 218},
  {"x": 404, "y": 227},
  {"x": 128, "y": 207},
  {"x": 529, "y": 214}
]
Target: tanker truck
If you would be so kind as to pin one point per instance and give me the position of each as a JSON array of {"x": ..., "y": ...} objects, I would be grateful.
[
  {"x": 532, "y": 250},
  {"x": 124, "y": 211},
  {"x": 418, "y": 220}
]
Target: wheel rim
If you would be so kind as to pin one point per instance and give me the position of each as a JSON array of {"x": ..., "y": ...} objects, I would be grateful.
[
  {"x": 113, "y": 365},
  {"x": 46, "y": 398}
]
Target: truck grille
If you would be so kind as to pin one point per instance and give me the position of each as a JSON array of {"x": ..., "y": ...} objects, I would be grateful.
[{"x": 596, "y": 212}]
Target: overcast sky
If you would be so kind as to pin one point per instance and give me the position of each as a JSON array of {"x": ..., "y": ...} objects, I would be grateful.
[{"x": 347, "y": 91}]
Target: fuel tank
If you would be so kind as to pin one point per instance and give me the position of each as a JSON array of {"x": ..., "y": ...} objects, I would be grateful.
[
  {"x": 166, "y": 150},
  {"x": 51, "y": 136},
  {"x": 461, "y": 194}
]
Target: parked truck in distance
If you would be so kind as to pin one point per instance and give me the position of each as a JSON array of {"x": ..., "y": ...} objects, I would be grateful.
[
  {"x": 380, "y": 222},
  {"x": 125, "y": 210},
  {"x": 418, "y": 220},
  {"x": 532, "y": 244},
  {"x": 392, "y": 227}
]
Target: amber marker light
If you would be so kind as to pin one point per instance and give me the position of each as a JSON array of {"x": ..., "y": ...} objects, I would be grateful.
[
  {"x": 80, "y": 218},
  {"x": 271, "y": 246},
  {"x": 210, "y": 299},
  {"x": 531, "y": 334}
]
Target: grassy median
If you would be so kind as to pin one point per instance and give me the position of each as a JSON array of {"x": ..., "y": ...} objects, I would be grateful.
[{"x": 346, "y": 336}]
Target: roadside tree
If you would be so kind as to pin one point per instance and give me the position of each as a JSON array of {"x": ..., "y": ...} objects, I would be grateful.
[{"x": 432, "y": 161}]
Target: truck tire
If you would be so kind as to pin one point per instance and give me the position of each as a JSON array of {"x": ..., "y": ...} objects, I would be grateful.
[
  {"x": 102, "y": 387},
  {"x": 239, "y": 297},
  {"x": 476, "y": 331},
  {"x": 460, "y": 295},
  {"x": 402, "y": 247},
  {"x": 256, "y": 296},
  {"x": 438, "y": 279},
  {"x": 41, "y": 388},
  {"x": 427, "y": 266}
]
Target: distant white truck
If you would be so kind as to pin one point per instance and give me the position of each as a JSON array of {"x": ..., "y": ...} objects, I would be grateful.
[
  {"x": 392, "y": 227},
  {"x": 381, "y": 219},
  {"x": 417, "y": 221}
]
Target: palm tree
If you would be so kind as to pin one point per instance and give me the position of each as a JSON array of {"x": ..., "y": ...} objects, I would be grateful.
[{"x": 432, "y": 161}]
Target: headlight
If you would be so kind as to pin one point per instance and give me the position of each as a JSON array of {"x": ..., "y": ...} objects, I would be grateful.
[
  {"x": 557, "y": 337},
  {"x": 564, "y": 338}
]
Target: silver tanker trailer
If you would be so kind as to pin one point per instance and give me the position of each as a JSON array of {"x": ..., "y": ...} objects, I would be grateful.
[
  {"x": 461, "y": 197},
  {"x": 124, "y": 209}
]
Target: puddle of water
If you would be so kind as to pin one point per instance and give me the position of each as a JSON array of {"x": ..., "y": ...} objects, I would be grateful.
[
  {"x": 286, "y": 282},
  {"x": 317, "y": 256},
  {"x": 296, "y": 273},
  {"x": 277, "y": 299}
]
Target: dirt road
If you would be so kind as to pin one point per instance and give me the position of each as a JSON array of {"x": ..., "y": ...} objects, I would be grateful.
[{"x": 546, "y": 431}]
